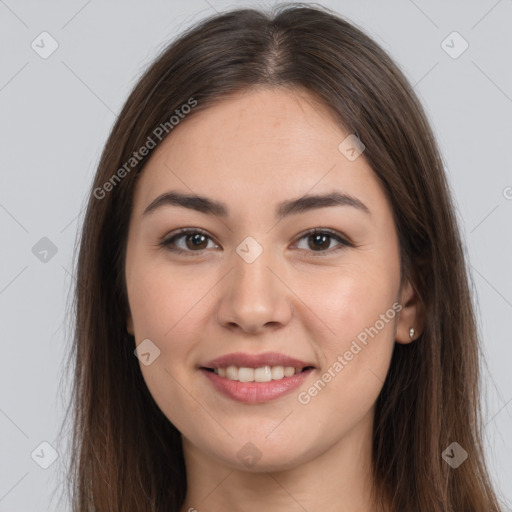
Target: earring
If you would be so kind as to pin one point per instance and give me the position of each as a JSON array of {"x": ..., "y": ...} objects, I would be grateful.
[{"x": 411, "y": 332}]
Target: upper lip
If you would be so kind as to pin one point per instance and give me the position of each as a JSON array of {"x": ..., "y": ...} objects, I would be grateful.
[{"x": 242, "y": 359}]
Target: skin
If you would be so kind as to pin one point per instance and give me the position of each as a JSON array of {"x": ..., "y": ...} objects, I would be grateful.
[{"x": 299, "y": 297}]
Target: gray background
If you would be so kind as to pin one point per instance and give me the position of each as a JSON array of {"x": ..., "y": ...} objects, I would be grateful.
[{"x": 57, "y": 112}]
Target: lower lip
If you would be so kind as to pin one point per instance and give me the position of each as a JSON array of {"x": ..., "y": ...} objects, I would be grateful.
[{"x": 256, "y": 392}]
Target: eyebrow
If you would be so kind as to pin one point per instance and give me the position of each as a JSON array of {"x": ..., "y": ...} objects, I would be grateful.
[{"x": 291, "y": 207}]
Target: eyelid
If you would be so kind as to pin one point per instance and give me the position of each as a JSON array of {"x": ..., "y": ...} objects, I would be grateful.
[
  {"x": 343, "y": 240},
  {"x": 167, "y": 241},
  {"x": 331, "y": 232}
]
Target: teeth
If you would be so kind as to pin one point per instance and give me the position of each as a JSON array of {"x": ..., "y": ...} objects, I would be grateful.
[
  {"x": 277, "y": 372},
  {"x": 262, "y": 374}
]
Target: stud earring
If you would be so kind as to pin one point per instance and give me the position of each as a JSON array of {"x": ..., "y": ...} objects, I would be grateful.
[{"x": 411, "y": 333}]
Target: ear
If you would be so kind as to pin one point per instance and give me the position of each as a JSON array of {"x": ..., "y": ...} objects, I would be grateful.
[{"x": 412, "y": 315}]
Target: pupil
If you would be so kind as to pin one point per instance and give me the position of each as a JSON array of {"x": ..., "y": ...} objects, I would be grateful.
[
  {"x": 322, "y": 239},
  {"x": 196, "y": 238}
]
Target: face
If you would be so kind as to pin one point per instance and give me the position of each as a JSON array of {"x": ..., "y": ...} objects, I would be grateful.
[{"x": 250, "y": 277}]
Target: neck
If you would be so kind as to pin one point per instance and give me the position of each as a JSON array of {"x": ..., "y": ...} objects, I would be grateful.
[{"x": 337, "y": 480}]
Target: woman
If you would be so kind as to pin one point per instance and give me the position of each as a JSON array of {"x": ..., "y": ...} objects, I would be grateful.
[{"x": 272, "y": 305}]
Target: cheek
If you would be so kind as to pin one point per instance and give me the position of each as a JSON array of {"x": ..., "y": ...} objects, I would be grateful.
[
  {"x": 350, "y": 299},
  {"x": 358, "y": 304},
  {"x": 161, "y": 300},
  {"x": 167, "y": 309}
]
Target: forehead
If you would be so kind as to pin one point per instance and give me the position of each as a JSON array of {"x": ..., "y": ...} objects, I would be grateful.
[{"x": 266, "y": 144}]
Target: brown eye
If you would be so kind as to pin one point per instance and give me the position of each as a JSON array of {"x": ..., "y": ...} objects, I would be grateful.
[
  {"x": 187, "y": 241},
  {"x": 320, "y": 241},
  {"x": 195, "y": 241}
]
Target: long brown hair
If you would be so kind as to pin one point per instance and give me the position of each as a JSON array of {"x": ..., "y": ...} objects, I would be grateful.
[{"x": 126, "y": 455}]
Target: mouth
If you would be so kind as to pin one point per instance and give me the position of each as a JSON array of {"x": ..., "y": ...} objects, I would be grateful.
[
  {"x": 256, "y": 385},
  {"x": 256, "y": 378},
  {"x": 264, "y": 373}
]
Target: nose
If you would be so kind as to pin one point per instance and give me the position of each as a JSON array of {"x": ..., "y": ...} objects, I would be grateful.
[{"x": 254, "y": 296}]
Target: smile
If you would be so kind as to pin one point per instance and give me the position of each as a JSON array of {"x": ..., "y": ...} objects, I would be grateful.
[{"x": 245, "y": 384}]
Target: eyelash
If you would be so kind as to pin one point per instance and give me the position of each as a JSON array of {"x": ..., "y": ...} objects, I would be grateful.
[{"x": 168, "y": 242}]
